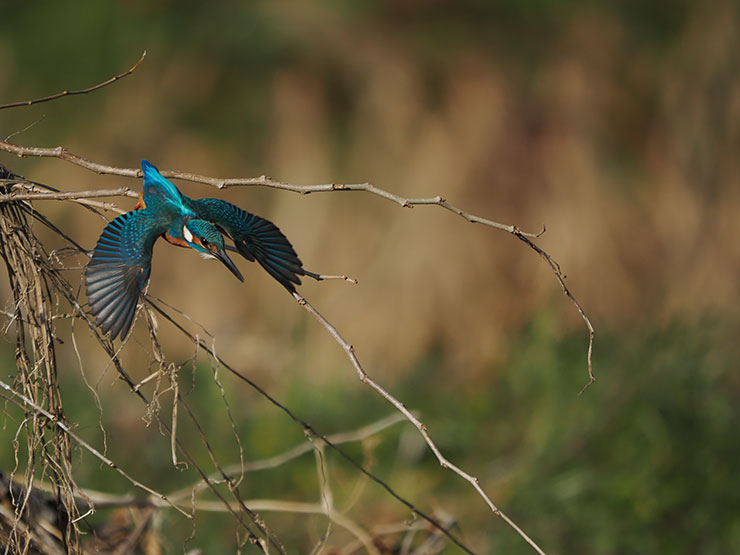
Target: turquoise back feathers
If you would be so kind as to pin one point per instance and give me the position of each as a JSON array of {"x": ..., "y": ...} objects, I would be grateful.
[{"x": 159, "y": 189}]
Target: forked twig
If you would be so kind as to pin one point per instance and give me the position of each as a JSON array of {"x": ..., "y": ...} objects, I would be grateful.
[{"x": 71, "y": 93}]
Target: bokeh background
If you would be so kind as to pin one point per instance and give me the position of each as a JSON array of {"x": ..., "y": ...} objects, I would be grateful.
[{"x": 615, "y": 123}]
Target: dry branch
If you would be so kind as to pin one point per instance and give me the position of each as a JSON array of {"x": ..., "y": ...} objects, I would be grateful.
[
  {"x": 264, "y": 181},
  {"x": 71, "y": 93},
  {"x": 71, "y": 195},
  {"x": 443, "y": 461}
]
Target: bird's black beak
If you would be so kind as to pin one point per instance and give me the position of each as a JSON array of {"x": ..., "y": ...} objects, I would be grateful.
[{"x": 223, "y": 257}]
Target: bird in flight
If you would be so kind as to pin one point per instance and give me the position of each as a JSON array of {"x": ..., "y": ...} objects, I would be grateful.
[{"x": 121, "y": 262}]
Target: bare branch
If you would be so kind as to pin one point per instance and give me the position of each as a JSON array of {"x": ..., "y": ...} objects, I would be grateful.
[
  {"x": 322, "y": 277},
  {"x": 443, "y": 461},
  {"x": 264, "y": 181},
  {"x": 71, "y": 195},
  {"x": 555, "y": 267},
  {"x": 61, "y": 153},
  {"x": 71, "y": 93}
]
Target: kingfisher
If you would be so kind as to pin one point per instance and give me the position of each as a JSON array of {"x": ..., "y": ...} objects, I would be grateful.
[{"x": 121, "y": 262}]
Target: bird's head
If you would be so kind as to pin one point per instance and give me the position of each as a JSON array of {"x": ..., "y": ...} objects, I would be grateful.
[{"x": 205, "y": 238}]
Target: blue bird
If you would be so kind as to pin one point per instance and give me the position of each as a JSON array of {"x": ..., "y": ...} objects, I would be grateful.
[{"x": 121, "y": 263}]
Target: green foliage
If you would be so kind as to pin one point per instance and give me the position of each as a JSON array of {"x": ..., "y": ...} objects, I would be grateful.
[{"x": 643, "y": 460}]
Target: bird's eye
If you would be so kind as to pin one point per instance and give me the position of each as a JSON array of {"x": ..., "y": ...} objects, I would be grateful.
[{"x": 205, "y": 242}]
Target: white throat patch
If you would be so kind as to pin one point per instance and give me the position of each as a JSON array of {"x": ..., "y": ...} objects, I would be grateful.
[{"x": 186, "y": 233}]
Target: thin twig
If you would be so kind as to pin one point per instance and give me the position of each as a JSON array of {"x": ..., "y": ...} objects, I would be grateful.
[
  {"x": 555, "y": 267},
  {"x": 360, "y": 434},
  {"x": 443, "y": 461},
  {"x": 71, "y": 93},
  {"x": 327, "y": 504},
  {"x": 322, "y": 277},
  {"x": 26, "y": 128}
]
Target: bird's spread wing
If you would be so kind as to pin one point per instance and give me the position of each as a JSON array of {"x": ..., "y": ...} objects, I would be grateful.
[
  {"x": 255, "y": 238},
  {"x": 119, "y": 270}
]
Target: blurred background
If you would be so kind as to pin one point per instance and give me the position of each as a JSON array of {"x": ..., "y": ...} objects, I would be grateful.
[{"x": 616, "y": 124}]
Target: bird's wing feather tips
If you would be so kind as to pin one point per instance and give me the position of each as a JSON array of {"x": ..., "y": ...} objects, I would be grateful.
[
  {"x": 256, "y": 239},
  {"x": 119, "y": 271}
]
